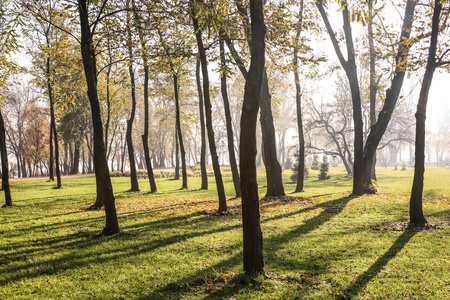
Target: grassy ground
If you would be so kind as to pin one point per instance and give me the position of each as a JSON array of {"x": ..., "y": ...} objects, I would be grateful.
[{"x": 320, "y": 244}]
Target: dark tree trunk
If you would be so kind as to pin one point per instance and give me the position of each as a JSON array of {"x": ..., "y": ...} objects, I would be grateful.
[
  {"x": 415, "y": 204},
  {"x": 298, "y": 98},
  {"x": 76, "y": 159},
  {"x": 208, "y": 114},
  {"x": 253, "y": 241},
  {"x": 378, "y": 129},
  {"x": 273, "y": 167},
  {"x": 51, "y": 159},
  {"x": 177, "y": 155},
  {"x": 133, "y": 174},
  {"x": 101, "y": 165},
  {"x": 5, "y": 169},
  {"x": 230, "y": 136},
  {"x": 53, "y": 123},
  {"x": 148, "y": 163},
  {"x": 202, "y": 128},
  {"x": 179, "y": 135}
]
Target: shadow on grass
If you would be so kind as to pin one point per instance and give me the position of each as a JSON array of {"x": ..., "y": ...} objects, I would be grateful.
[{"x": 355, "y": 288}]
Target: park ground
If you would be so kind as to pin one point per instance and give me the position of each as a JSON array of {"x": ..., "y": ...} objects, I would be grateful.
[{"x": 319, "y": 244}]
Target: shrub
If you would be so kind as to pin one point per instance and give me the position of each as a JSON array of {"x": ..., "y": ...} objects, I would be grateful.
[{"x": 323, "y": 175}]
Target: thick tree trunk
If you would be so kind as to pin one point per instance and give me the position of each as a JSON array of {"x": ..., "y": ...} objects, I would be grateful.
[
  {"x": 202, "y": 128},
  {"x": 101, "y": 165},
  {"x": 253, "y": 241},
  {"x": 415, "y": 204},
  {"x": 273, "y": 167},
  {"x": 180, "y": 137},
  {"x": 5, "y": 168},
  {"x": 378, "y": 129},
  {"x": 208, "y": 113},
  {"x": 230, "y": 136},
  {"x": 133, "y": 174}
]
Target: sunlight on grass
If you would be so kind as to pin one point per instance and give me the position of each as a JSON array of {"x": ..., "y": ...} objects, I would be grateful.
[{"x": 319, "y": 244}]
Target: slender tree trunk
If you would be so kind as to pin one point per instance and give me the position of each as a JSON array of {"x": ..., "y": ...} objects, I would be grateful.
[
  {"x": 53, "y": 124},
  {"x": 253, "y": 241},
  {"x": 415, "y": 205},
  {"x": 133, "y": 174},
  {"x": 230, "y": 136},
  {"x": 208, "y": 114},
  {"x": 51, "y": 159},
  {"x": 101, "y": 165},
  {"x": 5, "y": 170},
  {"x": 298, "y": 98},
  {"x": 202, "y": 128},
  {"x": 148, "y": 163},
  {"x": 179, "y": 135}
]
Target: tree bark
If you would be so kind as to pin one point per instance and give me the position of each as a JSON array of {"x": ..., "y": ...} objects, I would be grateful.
[
  {"x": 202, "y": 128},
  {"x": 178, "y": 131},
  {"x": 298, "y": 98},
  {"x": 148, "y": 163},
  {"x": 53, "y": 123},
  {"x": 101, "y": 165},
  {"x": 252, "y": 235},
  {"x": 5, "y": 168},
  {"x": 76, "y": 159},
  {"x": 415, "y": 203},
  {"x": 129, "y": 134},
  {"x": 208, "y": 114},
  {"x": 230, "y": 136}
]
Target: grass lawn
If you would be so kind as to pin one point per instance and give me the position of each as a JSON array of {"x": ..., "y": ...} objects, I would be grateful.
[{"x": 319, "y": 244}]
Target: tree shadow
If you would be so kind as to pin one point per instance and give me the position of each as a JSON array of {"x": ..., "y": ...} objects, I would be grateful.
[{"x": 355, "y": 288}]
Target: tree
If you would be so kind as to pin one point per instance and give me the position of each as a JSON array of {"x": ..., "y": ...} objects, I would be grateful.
[
  {"x": 129, "y": 133},
  {"x": 226, "y": 104},
  {"x": 253, "y": 241},
  {"x": 202, "y": 128},
  {"x": 208, "y": 114},
  {"x": 363, "y": 154},
  {"x": 90, "y": 69},
  {"x": 415, "y": 204},
  {"x": 144, "y": 49}
]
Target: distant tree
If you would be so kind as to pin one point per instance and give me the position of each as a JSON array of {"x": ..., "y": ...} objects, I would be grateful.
[{"x": 324, "y": 167}]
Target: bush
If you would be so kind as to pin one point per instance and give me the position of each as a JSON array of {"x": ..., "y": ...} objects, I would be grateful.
[
  {"x": 294, "y": 169},
  {"x": 323, "y": 175}
]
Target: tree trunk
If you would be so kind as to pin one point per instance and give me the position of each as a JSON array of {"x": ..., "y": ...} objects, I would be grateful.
[
  {"x": 51, "y": 159},
  {"x": 133, "y": 175},
  {"x": 202, "y": 128},
  {"x": 415, "y": 204},
  {"x": 179, "y": 135},
  {"x": 208, "y": 114},
  {"x": 76, "y": 159},
  {"x": 378, "y": 129},
  {"x": 298, "y": 98},
  {"x": 53, "y": 123},
  {"x": 148, "y": 163},
  {"x": 372, "y": 73},
  {"x": 101, "y": 165},
  {"x": 230, "y": 136},
  {"x": 253, "y": 241},
  {"x": 5, "y": 170}
]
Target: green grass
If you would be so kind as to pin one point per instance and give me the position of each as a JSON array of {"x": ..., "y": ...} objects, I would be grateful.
[{"x": 319, "y": 244}]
